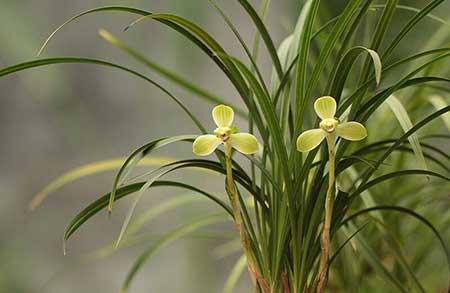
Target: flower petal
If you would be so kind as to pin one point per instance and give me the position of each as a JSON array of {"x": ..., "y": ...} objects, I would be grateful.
[
  {"x": 245, "y": 143},
  {"x": 205, "y": 144},
  {"x": 325, "y": 107},
  {"x": 351, "y": 130},
  {"x": 223, "y": 115},
  {"x": 310, "y": 139}
]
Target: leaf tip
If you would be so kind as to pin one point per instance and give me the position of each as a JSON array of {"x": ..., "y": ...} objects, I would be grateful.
[
  {"x": 378, "y": 80},
  {"x": 64, "y": 247},
  {"x": 34, "y": 202},
  {"x": 107, "y": 36},
  {"x": 133, "y": 23},
  {"x": 102, "y": 32},
  {"x": 39, "y": 52}
]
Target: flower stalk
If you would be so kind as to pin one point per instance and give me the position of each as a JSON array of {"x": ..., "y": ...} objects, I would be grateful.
[
  {"x": 325, "y": 240},
  {"x": 235, "y": 205}
]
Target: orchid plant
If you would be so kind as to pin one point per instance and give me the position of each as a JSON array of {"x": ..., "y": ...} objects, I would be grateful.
[{"x": 298, "y": 233}]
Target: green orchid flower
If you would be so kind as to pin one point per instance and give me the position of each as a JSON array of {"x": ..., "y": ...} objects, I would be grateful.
[
  {"x": 226, "y": 134},
  {"x": 325, "y": 108}
]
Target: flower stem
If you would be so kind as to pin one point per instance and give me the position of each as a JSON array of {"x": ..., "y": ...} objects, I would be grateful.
[
  {"x": 325, "y": 240},
  {"x": 245, "y": 241}
]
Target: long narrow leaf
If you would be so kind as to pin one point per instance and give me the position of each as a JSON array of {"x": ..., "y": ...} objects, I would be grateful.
[
  {"x": 405, "y": 122},
  {"x": 87, "y": 170},
  {"x": 76, "y": 60},
  {"x": 172, "y": 76},
  {"x": 166, "y": 240},
  {"x": 102, "y": 202},
  {"x": 409, "y": 212}
]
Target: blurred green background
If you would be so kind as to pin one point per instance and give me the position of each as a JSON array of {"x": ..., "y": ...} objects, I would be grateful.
[{"x": 56, "y": 118}]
